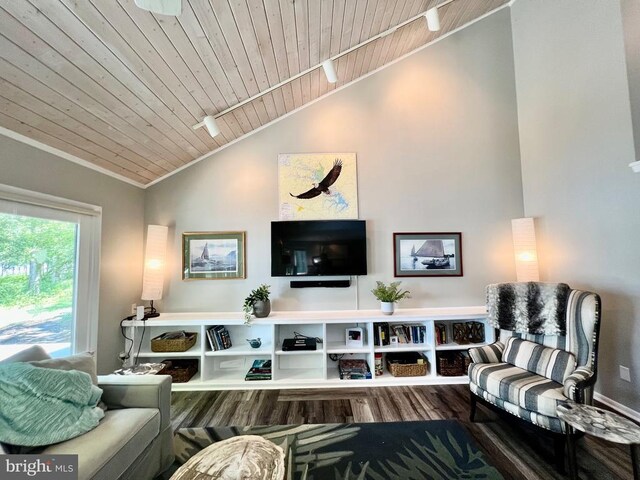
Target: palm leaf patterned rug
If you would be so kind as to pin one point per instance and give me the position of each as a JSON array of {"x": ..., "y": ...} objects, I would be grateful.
[{"x": 438, "y": 449}]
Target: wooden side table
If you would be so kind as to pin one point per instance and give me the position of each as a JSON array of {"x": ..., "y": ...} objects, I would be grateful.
[{"x": 602, "y": 424}]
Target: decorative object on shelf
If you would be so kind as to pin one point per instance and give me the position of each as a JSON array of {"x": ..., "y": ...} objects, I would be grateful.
[
  {"x": 427, "y": 254},
  {"x": 525, "y": 249},
  {"x": 393, "y": 340},
  {"x": 257, "y": 303},
  {"x": 254, "y": 342},
  {"x": 181, "y": 370},
  {"x": 407, "y": 364},
  {"x": 179, "y": 341},
  {"x": 354, "y": 337},
  {"x": 213, "y": 255},
  {"x": 353, "y": 369},
  {"x": 388, "y": 295},
  {"x": 317, "y": 186},
  {"x": 452, "y": 363},
  {"x": 460, "y": 333},
  {"x": 476, "y": 332},
  {"x": 378, "y": 364},
  {"x": 154, "y": 266},
  {"x": 141, "y": 369}
]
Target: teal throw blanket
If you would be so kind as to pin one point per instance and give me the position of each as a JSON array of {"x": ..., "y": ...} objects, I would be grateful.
[{"x": 42, "y": 406}]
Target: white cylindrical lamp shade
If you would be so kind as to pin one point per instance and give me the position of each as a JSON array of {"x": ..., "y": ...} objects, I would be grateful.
[
  {"x": 330, "y": 71},
  {"x": 525, "y": 249},
  {"x": 433, "y": 19},
  {"x": 154, "y": 262},
  {"x": 212, "y": 126}
]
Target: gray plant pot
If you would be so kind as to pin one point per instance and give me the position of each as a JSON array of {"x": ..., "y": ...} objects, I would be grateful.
[{"x": 262, "y": 309}]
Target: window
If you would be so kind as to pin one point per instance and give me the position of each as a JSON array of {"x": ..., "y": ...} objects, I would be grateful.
[{"x": 49, "y": 258}]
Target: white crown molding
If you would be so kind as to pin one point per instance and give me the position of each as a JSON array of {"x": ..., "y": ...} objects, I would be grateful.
[
  {"x": 85, "y": 163},
  {"x": 67, "y": 156},
  {"x": 623, "y": 409}
]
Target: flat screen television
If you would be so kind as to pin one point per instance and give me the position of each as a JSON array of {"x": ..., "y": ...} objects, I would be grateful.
[{"x": 318, "y": 248}]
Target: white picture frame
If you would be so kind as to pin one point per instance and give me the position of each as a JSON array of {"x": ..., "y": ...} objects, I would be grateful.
[{"x": 354, "y": 337}]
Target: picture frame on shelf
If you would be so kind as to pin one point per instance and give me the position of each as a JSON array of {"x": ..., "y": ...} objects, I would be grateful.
[
  {"x": 354, "y": 337},
  {"x": 427, "y": 254},
  {"x": 213, "y": 255}
]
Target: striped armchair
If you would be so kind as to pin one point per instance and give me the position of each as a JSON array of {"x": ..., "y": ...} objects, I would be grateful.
[{"x": 529, "y": 374}]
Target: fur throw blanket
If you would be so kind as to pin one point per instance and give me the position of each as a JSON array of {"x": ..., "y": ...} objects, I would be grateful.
[{"x": 531, "y": 307}]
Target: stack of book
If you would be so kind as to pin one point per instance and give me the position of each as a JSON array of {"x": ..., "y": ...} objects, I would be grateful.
[
  {"x": 406, "y": 333},
  {"x": 353, "y": 369},
  {"x": 441, "y": 334},
  {"x": 260, "y": 370},
  {"x": 218, "y": 337}
]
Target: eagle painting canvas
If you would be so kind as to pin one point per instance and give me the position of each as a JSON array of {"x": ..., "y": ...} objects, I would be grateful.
[{"x": 318, "y": 186}]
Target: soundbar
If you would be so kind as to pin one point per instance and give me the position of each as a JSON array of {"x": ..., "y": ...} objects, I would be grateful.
[{"x": 320, "y": 283}]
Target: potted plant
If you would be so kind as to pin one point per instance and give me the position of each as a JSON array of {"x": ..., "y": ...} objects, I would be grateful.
[
  {"x": 388, "y": 295},
  {"x": 257, "y": 303}
]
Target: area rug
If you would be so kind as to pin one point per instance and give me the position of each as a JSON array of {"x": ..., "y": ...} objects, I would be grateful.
[{"x": 439, "y": 449}]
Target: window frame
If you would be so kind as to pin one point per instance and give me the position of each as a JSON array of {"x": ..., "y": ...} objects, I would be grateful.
[{"x": 89, "y": 220}]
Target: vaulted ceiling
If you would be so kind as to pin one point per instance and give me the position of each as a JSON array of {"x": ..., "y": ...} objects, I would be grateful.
[{"x": 121, "y": 87}]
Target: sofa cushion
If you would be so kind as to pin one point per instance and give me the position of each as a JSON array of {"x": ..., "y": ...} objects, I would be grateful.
[
  {"x": 107, "y": 451},
  {"x": 552, "y": 363},
  {"x": 32, "y": 353},
  {"x": 518, "y": 386},
  {"x": 549, "y": 423},
  {"x": 84, "y": 362}
]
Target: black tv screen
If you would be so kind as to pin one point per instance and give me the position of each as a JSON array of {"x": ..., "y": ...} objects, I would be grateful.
[{"x": 318, "y": 247}]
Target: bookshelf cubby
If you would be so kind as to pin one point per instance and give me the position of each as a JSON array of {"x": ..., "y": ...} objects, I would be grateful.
[{"x": 226, "y": 369}]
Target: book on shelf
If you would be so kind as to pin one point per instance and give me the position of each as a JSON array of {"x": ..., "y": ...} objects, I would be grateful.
[
  {"x": 219, "y": 338},
  {"x": 441, "y": 334},
  {"x": 407, "y": 333},
  {"x": 353, "y": 369},
  {"x": 260, "y": 370}
]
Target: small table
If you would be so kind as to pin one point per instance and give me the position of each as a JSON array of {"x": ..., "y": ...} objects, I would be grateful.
[{"x": 602, "y": 424}]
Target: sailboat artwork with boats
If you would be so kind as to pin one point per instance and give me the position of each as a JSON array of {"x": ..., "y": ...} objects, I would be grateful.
[{"x": 427, "y": 255}]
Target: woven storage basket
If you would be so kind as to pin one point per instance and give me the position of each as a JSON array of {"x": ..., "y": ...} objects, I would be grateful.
[
  {"x": 159, "y": 344},
  {"x": 452, "y": 364},
  {"x": 406, "y": 364},
  {"x": 181, "y": 370}
]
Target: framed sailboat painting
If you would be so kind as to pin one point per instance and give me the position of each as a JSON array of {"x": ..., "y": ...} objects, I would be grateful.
[
  {"x": 427, "y": 254},
  {"x": 213, "y": 255}
]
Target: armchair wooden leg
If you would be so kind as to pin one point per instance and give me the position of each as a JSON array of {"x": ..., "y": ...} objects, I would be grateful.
[
  {"x": 559, "y": 444},
  {"x": 571, "y": 453},
  {"x": 472, "y": 406}
]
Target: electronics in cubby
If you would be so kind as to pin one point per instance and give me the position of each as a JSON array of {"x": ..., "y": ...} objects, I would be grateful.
[{"x": 293, "y": 331}]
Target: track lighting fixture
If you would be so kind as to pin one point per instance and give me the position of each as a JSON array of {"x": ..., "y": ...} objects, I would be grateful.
[
  {"x": 330, "y": 71},
  {"x": 211, "y": 124},
  {"x": 433, "y": 19}
]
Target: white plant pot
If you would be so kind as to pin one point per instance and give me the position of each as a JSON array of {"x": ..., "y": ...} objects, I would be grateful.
[{"x": 387, "y": 308}]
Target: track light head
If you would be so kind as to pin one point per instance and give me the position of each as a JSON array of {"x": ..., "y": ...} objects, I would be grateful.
[
  {"x": 433, "y": 19},
  {"x": 212, "y": 125},
  {"x": 330, "y": 71}
]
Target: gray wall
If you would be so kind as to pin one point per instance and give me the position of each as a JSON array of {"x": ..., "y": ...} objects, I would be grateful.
[
  {"x": 576, "y": 141},
  {"x": 437, "y": 145},
  {"x": 122, "y": 229}
]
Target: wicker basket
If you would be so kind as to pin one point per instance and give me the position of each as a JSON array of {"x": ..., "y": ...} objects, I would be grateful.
[
  {"x": 182, "y": 344},
  {"x": 453, "y": 364},
  {"x": 406, "y": 364},
  {"x": 181, "y": 370}
]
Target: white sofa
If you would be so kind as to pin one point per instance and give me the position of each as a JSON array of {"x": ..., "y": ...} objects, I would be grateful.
[{"x": 134, "y": 440}]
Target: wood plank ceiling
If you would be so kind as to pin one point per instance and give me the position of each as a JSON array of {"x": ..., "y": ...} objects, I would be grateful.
[{"x": 121, "y": 88}]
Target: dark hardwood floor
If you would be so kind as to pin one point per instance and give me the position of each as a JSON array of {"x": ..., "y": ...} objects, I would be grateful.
[{"x": 518, "y": 452}]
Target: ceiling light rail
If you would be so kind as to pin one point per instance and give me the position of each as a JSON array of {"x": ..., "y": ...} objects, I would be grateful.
[{"x": 328, "y": 65}]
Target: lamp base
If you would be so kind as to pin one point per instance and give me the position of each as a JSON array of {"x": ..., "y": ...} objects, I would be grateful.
[{"x": 150, "y": 312}]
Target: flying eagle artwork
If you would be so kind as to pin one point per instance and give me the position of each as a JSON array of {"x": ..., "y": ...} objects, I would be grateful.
[{"x": 323, "y": 186}]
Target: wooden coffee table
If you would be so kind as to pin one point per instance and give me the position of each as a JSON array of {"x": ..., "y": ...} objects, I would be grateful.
[{"x": 602, "y": 424}]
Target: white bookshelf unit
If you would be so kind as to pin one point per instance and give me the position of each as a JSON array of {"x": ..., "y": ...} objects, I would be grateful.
[{"x": 226, "y": 369}]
